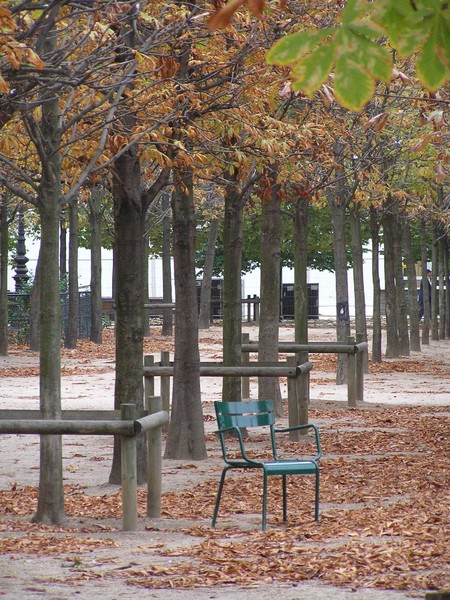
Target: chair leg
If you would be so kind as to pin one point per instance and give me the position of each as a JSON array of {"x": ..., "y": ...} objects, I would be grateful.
[
  {"x": 316, "y": 509},
  {"x": 283, "y": 480},
  {"x": 219, "y": 495},
  {"x": 264, "y": 501}
]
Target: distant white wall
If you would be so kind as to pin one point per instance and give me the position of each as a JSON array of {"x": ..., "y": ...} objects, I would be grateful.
[{"x": 251, "y": 281}]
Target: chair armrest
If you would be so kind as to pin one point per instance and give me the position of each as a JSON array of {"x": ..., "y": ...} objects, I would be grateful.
[
  {"x": 238, "y": 433},
  {"x": 298, "y": 428}
]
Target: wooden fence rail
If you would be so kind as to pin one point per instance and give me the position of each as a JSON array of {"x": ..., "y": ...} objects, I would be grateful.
[
  {"x": 128, "y": 423},
  {"x": 356, "y": 360},
  {"x": 298, "y": 400}
]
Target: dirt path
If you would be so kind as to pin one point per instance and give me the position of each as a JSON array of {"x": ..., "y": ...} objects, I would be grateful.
[{"x": 384, "y": 512}]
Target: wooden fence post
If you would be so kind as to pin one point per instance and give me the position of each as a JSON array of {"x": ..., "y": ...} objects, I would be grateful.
[
  {"x": 149, "y": 380},
  {"x": 129, "y": 472},
  {"x": 154, "y": 461},
  {"x": 165, "y": 387},
  {"x": 245, "y": 359},
  {"x": 361, "y": 368},
  {"x": 351, "y": 375},
  {"x": 293, "y": 405}
]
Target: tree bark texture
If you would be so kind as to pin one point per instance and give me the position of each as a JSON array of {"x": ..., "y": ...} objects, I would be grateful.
[
  {"x": 426, "y": 298},
  {"x": 376, "y": 335},
  {"x": 400, "y": 296},
  {"x": 358, "y": 275},
  {"x": 208, "y": 269},
  {"x": 269, "y": 318},
  {"x": 232, "y": 293},
  {"x": 186, "y": 436},
  {"x": 95, "y": 219},
  {"x": 392, "y": 340},
  {"x": 412, "y": 289},
  {"x": 4, "y": 234},
  {"x": 167, "y": 327},
  {"x": 434, "y": 281},
  {"x": 71, "y": 334}
]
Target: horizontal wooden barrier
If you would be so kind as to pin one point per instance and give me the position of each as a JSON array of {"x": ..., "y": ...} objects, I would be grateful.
[{"x": 124, "y": 422}]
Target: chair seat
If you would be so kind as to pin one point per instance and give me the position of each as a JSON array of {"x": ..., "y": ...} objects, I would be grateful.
[{"x": 290, "y": 467}]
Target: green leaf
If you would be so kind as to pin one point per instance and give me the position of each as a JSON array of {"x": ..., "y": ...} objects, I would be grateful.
[
  {"x": 312, "y": 71},
  {"x": 371, "y": 57},
  {"x": 353, "y": 86},
  {"x": 433, "y": 64},
  {"x": 293, "y": 47},
  {"x": 357, "y": 14}
]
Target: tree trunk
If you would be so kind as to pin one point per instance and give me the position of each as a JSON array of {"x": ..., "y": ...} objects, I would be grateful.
[
  {"x": 269, "y": 318},
  {"x": 447, "y": 278},
  {"x": 145, "y": 294},
  {"x": 73, "y": 308},
  {"x": 208, "y": 269},
  {"x": 63, "y": 248},
  {"x": 442, "y": 286},
  {"x": 340, "y": 265},
  {"x": 400, "y": 296},
  {"x": 232, "y": 293},
  {"x": 3, "y": 279},
  {"x": 186, "y": 436},
  {"x": 426, "y": 297},
  {"x": 167, "y": 327},
  {"x": 412, "y": 288},
  {"x": 129, "y": 222},
  {"x": 434, "y": 291},
  {"x": 392, "y": 340},
  {"x": 35, "y": 307},
  {"x": 95, "y": 216},
  {"x": 376, "y": 334},
  {"x": 358, "y": 275},
  {"x": 50, "y": 507}
]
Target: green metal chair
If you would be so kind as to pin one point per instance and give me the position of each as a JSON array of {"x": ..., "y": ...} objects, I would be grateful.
[{"x": 234, "y": 416}]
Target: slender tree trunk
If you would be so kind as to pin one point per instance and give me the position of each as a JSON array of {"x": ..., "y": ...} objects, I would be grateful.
[
  {"x": 358, "y": 274},
  {"x": 95, "y": 216},
  {"x": 50, "y": 508},
  {"x": 145, "y": 294},
  {"x": 186, "y": 436},
  {"x": 412, "y": 289},
  {"x": 208, "y": 269},
  {"x": 269, "y": 319},
  {"x": 300, "y": 274},
  {"x": 232, "y": 293},
  {"x": 3, "y": 279},
  {"x": 442, "y": 285},
  {"x": 167, "y": 327},
  {"x": 340, "y": 264},
  {"x": 434, "y": 291},
  {"x": 400, "y": 296},
  {"x": 426, "y": 297},
  {"x": 35, "y": 307},
  {"x": 63, "y": 247},
  {"x": 392, "y": 340},
  {"x": 376, "y": 335},
  {"x": 447, "y": 279},
  {"x": 73, "y": 309}
]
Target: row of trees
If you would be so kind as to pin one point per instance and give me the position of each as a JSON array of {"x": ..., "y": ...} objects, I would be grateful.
[{"x": 131, "y": 101}]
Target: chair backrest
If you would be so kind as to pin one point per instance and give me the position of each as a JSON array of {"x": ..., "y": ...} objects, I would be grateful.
[{"x": 245, "y": 414}]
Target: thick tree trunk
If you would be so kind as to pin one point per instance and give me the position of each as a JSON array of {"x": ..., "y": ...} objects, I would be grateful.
[
  {"x": 208, "y": 269},
  {"x": 358, "y": 275},
  {"x": 412, "y": 289},
  {"x": 50, "y": 507},
  {"x": 376, "y": 334},
  {"x": 129, "y": 220},
  {"x": 71, "y": 335},
  {"x": 95, "y": 217},
  {"x": 3, "y": 279},
  {"x": 232, "y": 293},
  {"x": 269, "y": 319},
  {"x": 186, "y": 436},
  {"x": 167, "y": 327}
]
